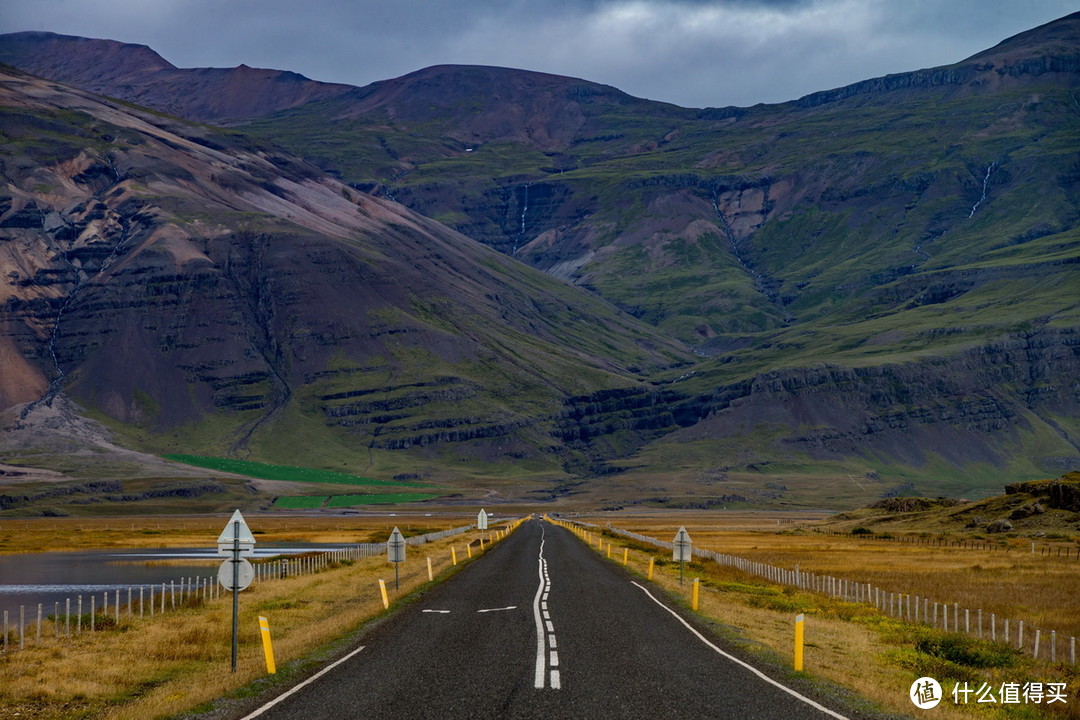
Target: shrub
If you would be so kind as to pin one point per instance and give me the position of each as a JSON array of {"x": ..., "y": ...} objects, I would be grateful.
[{"x": 967, "y": 651}]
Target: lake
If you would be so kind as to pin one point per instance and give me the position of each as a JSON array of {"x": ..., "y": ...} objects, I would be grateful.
[{"x": 51, "y": 577}]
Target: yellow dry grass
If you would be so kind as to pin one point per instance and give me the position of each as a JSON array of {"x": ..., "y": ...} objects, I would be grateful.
[
  {"x": 160, "y": 666},
  {"x": 847, "y": 644},
  {"x": 59, "y": 534},
  {"x": 1041, "y": 590}
]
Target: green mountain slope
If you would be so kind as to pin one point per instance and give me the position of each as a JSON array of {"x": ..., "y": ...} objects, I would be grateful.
[
  {"x": 199, "y": 293},
  {"x": 878, "y": 282},
  {"x": 721, "y": 222}
]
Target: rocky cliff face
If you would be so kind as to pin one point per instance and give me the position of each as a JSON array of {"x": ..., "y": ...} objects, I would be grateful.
[{"x": 967, "y": 409}]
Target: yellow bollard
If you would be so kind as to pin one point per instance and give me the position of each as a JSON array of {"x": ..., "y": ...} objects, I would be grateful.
[
  {"x": 625, "y": 556},
  {"x": 609, "y": 551},
  {"x": 268, "y": 648},
  {"x": 385, "y": 599},
  {"x": 652, "y": 563},
  {"x": 430, "y": 575},
  {"x": 799, "y": 642},
  {"x": 696, "y": 595},
  {"x": 453, "y": 555},
  {"x": 468, "y": 549}
]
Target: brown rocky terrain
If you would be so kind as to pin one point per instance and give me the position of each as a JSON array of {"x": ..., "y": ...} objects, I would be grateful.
[{"x": 179, "y": 280}]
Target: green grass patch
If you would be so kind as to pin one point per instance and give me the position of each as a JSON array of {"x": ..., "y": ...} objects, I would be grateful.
[
  {"x": 288, "y": 473},
  {"x": 337, "y": 501},
  {"x": 300, "y": 502},
  {"x": 964, "y": 650}
]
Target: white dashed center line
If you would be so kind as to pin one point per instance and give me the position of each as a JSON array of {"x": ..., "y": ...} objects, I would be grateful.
[{"x": 543, "y": 620}]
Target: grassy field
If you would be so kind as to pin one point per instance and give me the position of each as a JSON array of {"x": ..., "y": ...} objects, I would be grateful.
[
  {"x": 179, "y": 661},
  {"x": 840, "y": 636},
  {"x": 1007, "y": 580},
  {"x": 302, "y": 502},
  {"x": 57, "y": 534},
  {"x": 288, "y": 473}
]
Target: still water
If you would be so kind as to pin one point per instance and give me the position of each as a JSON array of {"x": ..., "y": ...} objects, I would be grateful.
[{"x": 46, "y": 578}]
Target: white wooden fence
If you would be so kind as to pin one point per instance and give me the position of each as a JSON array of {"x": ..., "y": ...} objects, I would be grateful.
[
  {"x": 147, "y": 600},
  {"x": 911, "y": 608}
]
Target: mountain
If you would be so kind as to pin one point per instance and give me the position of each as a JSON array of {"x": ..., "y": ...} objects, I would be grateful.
[
  {"x": 138, "y": 74},
  {"x": 197, "y": 290},
  {"x": 879, "y": 277},
  {"x": 878, "y": 281}
]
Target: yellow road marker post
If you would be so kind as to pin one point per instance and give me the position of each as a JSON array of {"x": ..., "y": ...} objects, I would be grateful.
[
  {"x": 385, "y": 599},
  {"x": 268, "y": 647},
  {"x": 453, "y": 555},
  {"x": 799, "y": 642},
  {"x": 625, "y": 556},
  {"x": 430, "y": 575},
  {"x": 652, "y": 564},
  {"x": 696, "y": 594},
  {"x": 609, "y": 551}
]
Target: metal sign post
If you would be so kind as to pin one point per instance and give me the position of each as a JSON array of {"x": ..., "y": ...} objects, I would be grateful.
[
  {"x": 682, "y": 549},
  {"x": 395, "y": 552},
  {"x": 236, "y": 573}
]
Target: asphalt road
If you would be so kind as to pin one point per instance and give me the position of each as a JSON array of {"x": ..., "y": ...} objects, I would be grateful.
[{"x": 539, "y": 627}]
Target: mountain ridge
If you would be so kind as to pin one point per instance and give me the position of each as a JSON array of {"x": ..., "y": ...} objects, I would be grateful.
[
  {"x": 138, "y": 74},
  {"x": 841, "y": 268}
]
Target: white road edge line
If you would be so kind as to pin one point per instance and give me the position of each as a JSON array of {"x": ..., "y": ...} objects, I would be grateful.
[
  {"x": 736, "y": 660},
  {"x": 541, "y": 668},
  {"x": 310, "y": 680}
]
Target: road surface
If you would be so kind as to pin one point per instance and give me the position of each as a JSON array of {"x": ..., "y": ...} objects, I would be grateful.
[{"x": 540, "y": 627}]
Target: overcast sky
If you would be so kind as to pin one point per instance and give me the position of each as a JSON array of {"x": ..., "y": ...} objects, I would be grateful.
[{"x": 691, "y": 52}]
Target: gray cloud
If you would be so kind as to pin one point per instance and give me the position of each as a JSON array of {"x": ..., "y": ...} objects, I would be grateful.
[{"x": 690, "y": 52}]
